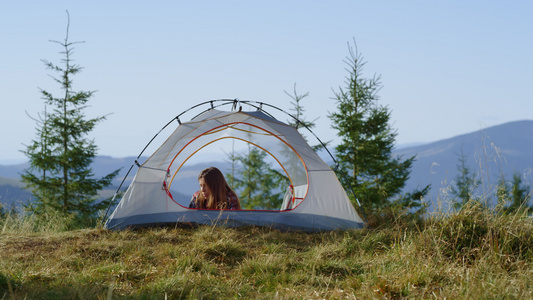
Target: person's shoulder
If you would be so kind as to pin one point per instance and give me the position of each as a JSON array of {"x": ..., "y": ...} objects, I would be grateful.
[
  {"x": 193, "y": 203},
  {"x": 232, "y": 196},
  {"x": 233, "y": 201}
]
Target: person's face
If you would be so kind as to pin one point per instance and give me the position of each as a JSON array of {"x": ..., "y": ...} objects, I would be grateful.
[{"x": 204, "y": 188}]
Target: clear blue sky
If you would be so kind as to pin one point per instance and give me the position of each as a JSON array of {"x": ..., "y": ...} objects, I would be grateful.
[{"x": 448, "y": 67}]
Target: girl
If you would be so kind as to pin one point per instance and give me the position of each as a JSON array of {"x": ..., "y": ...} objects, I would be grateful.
[{"x": 214, "y": 192}]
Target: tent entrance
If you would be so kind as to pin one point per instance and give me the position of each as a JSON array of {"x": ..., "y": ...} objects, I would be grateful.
[{"x": 259, "y": 165}]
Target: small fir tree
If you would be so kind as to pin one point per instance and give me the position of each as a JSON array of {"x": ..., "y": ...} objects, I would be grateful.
[
  {"x": 364, "y": 154},
  {"x": 520, "y": 194},
  {"x": 60, "y": 175},
  {"x": 502, "y": 192},
  {"x": 3, "y": 212},
  {"x": 258, "y": 185},
  {"x": 299, "y": 110},
  {"x": 465, "y": 183}
]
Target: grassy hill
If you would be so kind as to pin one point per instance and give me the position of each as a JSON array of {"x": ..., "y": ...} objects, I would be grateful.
[{"x": 471, "y": 254}]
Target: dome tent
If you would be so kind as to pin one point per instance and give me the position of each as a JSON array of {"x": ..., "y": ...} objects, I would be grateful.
[{"x": 315, "y": 199}]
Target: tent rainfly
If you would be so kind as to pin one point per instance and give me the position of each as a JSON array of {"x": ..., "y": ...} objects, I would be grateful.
[{"x": 315, "y": 200}]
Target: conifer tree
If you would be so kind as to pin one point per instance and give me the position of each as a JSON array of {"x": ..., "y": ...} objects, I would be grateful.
[
  {"x": 513, "y": 196},
  {"x": 520, "y": 194},
  {"x": 299, "y": 110},
  {"x": 465, "y": 183},
  {"x": 257, "y": 184},
  {"x": 3, "y": 213},
  {"x": 60, "y": 175},
  {"x": 365, "y": 152},
  {"x": 502, "y": 192}
]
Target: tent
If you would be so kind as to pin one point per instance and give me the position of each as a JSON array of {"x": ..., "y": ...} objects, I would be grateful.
[{"x": 314, "y": 201}]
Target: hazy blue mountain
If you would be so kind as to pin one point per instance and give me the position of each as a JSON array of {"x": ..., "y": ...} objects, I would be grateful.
[
  {"x": 11, "y": 192},
  {"x": 491, "y": 152},
  {"x": 503, "y": 149}
]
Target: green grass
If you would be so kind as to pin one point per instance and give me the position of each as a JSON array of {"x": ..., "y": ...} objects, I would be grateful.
[{"x": 472, "y": 254}]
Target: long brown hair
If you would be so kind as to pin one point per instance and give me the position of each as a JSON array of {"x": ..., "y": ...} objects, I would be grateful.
[{"x": 219, "y": 190}]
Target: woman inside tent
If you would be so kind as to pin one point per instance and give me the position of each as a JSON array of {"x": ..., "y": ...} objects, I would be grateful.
[{"x": 214, "y": 192}]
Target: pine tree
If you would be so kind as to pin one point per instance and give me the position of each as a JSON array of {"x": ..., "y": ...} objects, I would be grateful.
[
  {"x": 257, "y": 184},
  {"x": 365, "y": 152},
  {"x": 520, "y": 195},
  {"x": 3, "y": 212},
  {"x": 299, "y": 110},
  {"x": 60, "y": 175},
  {"x": 502, "y": 192},
  {"x": 465, "y": 183}
]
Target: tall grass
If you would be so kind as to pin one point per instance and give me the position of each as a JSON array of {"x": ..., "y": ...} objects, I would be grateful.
[
  {"x": 24, "y": 223},
  {"x": 472, "y": 253}
]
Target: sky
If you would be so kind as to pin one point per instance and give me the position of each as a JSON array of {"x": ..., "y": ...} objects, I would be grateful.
[{"x": 447, "y": 67}]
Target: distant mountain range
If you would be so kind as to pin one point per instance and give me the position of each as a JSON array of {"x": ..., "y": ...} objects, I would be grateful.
[
  {"x": 493, "y": 152},
  {"x": 504, "y": 149}
]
